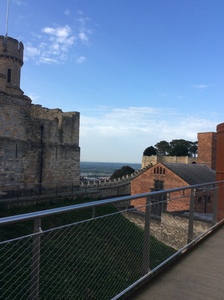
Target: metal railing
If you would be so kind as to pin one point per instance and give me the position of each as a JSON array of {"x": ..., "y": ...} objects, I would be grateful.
[{"x": 101, "y": 249}]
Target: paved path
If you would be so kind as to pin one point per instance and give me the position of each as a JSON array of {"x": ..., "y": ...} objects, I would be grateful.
[{"x": 198, "y": 275}]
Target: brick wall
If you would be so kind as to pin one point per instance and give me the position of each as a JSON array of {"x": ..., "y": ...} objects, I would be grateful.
[
  {"x": 145, "y": 183},
  {"x": 207, "y": 144},
  {"x": 178, "y": 201}
]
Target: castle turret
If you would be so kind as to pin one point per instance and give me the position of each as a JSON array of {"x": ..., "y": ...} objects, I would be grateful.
[{"x": 11, "y": 61}]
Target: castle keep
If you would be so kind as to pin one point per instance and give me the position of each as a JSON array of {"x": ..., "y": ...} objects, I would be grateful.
[{"x": 38, "y": 145}]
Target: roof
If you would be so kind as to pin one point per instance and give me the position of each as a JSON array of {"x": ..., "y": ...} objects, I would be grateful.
[{"x": 192, "y": 173}]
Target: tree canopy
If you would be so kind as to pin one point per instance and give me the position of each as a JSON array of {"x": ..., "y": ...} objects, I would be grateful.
[
  {"x": 149, "y": 151},
  {"x": 125, "y": 170},
  {"x": 177, "y": 147},
  {"x": 162, "y": 148}
]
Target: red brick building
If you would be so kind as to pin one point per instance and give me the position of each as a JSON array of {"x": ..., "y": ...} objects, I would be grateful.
[
  {"x": 164, "y": 176},
  {"x": 207, "y": 144}
]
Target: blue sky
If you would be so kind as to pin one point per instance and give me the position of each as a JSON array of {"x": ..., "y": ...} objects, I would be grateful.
[{"x": 138, "y": 71}]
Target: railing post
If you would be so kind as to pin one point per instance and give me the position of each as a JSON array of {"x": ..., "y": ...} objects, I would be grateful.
[
  {"x": 35, "y": 266},
  {"x": 215, "y": 204},
  {"x": 146, "y": 241},
  {"x": 191, "y": 218}
]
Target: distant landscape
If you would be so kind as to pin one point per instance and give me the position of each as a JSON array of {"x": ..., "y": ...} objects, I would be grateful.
[{"x": 100, "y": 170}]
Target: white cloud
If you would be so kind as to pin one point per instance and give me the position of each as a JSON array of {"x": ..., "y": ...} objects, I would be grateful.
[
  {"x": 48, "y": 60},
  {"x": 67, "y": 12},
  {"x": 84, "y": 30},
  {"x": 81, "y": 59},
  {"x": 31, "y": 51},
  {"x": 56, "y": 44},
  {"x": 201, "y": 86},
  {"x": 126, "y": 132},
  {"x": 83, "y": 37},
  {"x": 19, "y": 2},
  {"x": 61, "y": 39}
]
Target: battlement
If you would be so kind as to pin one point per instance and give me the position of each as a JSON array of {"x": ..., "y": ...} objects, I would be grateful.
[
  {"x": 11, "y": 48},
  {"x": 11, "y": 61},
  {"x": 154, "y": 159}
]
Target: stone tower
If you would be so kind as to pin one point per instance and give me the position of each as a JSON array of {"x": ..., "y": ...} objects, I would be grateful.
[
  {"x": 39, "y": 147},
  {"x": 11, "y": 61}
]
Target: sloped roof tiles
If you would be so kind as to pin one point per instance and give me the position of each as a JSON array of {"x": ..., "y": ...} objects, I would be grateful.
[{"x": 192, "y": 173}]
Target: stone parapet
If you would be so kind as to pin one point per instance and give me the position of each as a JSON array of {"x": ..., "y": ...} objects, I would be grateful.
[{"x": 154, "y": 159}]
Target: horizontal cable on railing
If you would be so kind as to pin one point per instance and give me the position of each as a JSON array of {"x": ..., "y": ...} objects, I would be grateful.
[{"x": 104, "y": 248}]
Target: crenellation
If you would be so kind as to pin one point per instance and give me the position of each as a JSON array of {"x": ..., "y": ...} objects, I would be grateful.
[{"x": 38, "y": 145}]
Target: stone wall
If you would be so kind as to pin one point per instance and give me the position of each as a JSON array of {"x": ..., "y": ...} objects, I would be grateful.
[
  {"x": 154, "y": 159},
  {"x": 115, "y": 191},
  {"x": 172, "y": 230},
  {"x": 11, "y": 61},
  {"x": 37, "y": 145}
]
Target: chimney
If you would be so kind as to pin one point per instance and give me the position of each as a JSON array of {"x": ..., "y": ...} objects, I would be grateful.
[{"x": 207, "y": 149}]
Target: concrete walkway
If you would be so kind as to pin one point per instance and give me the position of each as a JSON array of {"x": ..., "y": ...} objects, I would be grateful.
[{"x": 198, "y": 275}]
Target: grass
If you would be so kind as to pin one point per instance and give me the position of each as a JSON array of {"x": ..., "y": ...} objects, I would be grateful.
[{"x": 95, "y": 259}]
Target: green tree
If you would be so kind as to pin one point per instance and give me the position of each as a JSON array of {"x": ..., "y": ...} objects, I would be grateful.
[
  {"x": 125, "y": 170},
  {"x": 183, "y": 148},
  {"x": 193, "y": 149},
  {"x": 149, "y": 151},
  {"x": 177, "y": 147},
  {"x": 162, "y": 148}
]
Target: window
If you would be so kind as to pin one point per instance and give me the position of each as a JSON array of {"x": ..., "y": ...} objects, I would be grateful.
[
  {"x": 9, "y": 76},
  {"x": 159, "y": 203},
  {"x": 199, "y": 200},
  {"x": 158, "y": 185},
  {"x": 208, "y": 199},
  {"x": 159, "y": 170}
]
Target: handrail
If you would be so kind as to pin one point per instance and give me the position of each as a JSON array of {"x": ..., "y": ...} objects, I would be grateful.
[
  {"x": 54, "y": 211},
  {"x": 105, "y": 239}
]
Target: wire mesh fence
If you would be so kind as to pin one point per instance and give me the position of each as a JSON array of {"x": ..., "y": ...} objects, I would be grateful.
[{"x": 99, "y": 249}]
